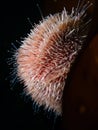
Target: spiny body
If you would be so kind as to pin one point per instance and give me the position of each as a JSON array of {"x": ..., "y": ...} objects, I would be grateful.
[{"x": 46, "y": 55}]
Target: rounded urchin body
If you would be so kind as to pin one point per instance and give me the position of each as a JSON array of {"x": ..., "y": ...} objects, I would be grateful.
[{"x": 46, "y": 55}]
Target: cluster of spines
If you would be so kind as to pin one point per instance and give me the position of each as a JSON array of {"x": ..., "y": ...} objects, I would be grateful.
[{"x": 61, "y": 29}]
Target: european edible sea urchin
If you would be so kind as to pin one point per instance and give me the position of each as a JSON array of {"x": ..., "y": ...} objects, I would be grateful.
[{"x": 46, "y": 55}]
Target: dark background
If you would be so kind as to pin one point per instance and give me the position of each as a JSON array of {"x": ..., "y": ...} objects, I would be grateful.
[{"x": 80, "y": 103}]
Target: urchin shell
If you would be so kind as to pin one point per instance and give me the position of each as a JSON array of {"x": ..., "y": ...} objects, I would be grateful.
[{"x": 46, "y": 55}]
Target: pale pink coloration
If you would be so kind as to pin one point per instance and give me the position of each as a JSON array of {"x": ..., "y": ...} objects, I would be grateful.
[{"x": 46, "y": 55}]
